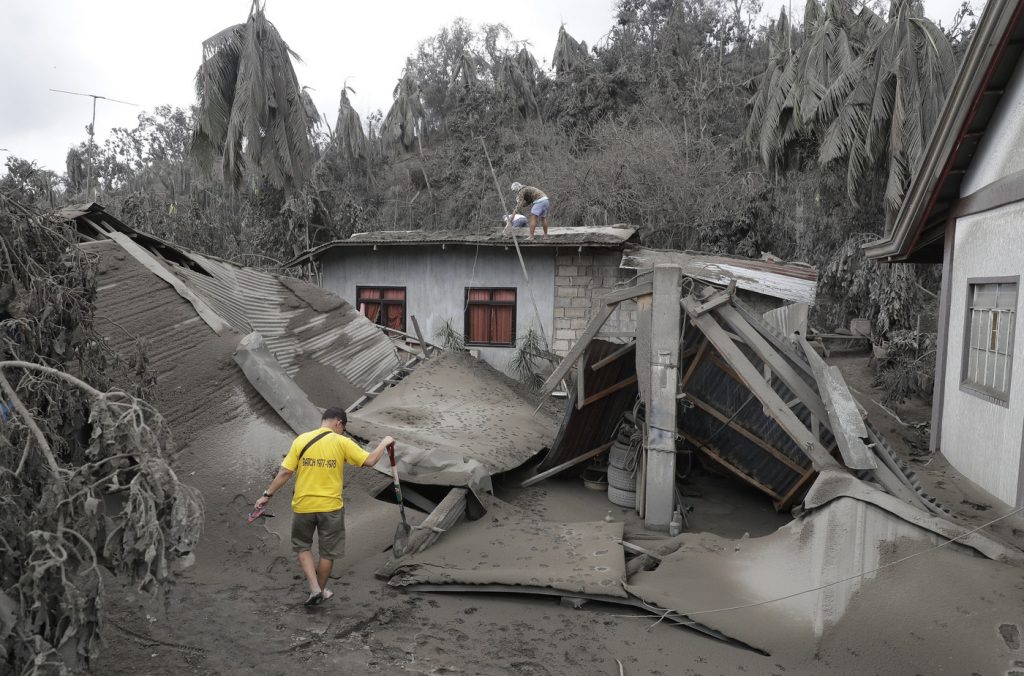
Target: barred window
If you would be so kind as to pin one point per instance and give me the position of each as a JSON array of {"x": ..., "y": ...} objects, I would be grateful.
[{"x": 991, "y": 316}]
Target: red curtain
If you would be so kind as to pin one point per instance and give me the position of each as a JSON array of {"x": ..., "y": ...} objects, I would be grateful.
[
  {"x": 393, "y": 313},
  {"x": 487, "y": 320}
]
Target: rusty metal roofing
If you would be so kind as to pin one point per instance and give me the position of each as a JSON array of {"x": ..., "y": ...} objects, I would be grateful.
[
  {"x": 585, "y": 429},
  {"x": 612, "y": 236},
  {"x": 304, "y": 326},
  {"x": 795, "y": 282}
]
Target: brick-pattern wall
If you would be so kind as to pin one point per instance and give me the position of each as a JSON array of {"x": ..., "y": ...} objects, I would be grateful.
[{"x": 581, "y": 279}]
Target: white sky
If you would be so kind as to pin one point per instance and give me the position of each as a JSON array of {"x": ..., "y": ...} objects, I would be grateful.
[{"x": 147, "y": 53}]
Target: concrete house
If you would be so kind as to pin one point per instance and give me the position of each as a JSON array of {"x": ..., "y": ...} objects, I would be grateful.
[
  {"x": 965, "y": 209},
  {"x": 475, "y": 282}
]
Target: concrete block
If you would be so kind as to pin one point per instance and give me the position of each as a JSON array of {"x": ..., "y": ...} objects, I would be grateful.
[
  {"x": 583, "y": 280},
  {"x": 579, "y": 302},
  {"x": 585, "y": 259},
  {"x": 565, "y": 334},
  {"x": 559, "y": 312},
  {"x": 575, "y": 312},
  {"x": 565, "y": 259},
  {"x": 566, "y": 292},
  {"x": 561, "y": 346},
  {"x": 565, "y": 323},
  {"x": 561, "y": 301},
  {"x": 568, "y": 270},
  {"x": 576, "y": 323},
  {"x": 563, "y": 280}
]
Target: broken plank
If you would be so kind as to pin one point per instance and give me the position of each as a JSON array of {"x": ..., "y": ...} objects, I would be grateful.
[
  {"x": 619, "y": 295},
  {"x": 782, "y": 344},
  {"x": 597, "y": 396},
  {"x": 743, "y": 431},
  {"x": 596, "y": 322},
  {"x": 701, "y": 353},
  {"x": 778, "y": 363},
  {"x": 843, "y": 416},
  {"x": 449, "y": 512},
  {"x": 419, "y": 336},
  {"x": 713, "y": 301},
  {"x": 581, "y": 389},
  {"x": 721, "y": 460},
  {"x": 751, "y": 378},
  {"x": 567, "y": 464},
  {"x": 601, "y": 363}
]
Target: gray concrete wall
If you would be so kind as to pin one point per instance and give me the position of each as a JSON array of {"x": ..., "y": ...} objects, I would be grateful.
[
  {"x": 982, "y": 438},
  {"x": 435, "y": 280}
]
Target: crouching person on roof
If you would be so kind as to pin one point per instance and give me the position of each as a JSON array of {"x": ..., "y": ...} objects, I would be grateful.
[
  {"x": 318, "y": 459},
  {"x": 534, "y": 199}
]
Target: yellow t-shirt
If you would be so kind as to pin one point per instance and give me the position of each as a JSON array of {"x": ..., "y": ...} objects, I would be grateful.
[{"x": 319, "y": 480}]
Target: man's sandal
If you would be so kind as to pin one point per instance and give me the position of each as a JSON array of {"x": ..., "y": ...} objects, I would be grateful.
[{"x": 315, "y": 599}]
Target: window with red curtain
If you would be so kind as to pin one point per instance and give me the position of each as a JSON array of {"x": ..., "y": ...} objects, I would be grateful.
[
  {"x": 491, "y": 316},
  {"x": 383, "y": 305}
]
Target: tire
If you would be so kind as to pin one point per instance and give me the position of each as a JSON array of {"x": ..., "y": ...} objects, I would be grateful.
[
  {"x": 621, "y": 498},
  {"x": 620, "y": 456},
  {"x": 621, "y": 478}
]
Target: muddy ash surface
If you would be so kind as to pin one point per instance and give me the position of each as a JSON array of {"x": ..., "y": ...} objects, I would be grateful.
[{"x": 239, "y": 609}]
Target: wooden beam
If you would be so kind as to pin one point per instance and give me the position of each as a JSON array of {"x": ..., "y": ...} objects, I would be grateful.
[
  {"x": 419, "y": 336},
  {"x": 601, "y": 363},
  {"x": 567, "y": 464},
  {"x": 581, "y": 367},
  {"x": 743, "y": 431},
  {"x": 609, "y": 390},
  {"x": 596, "y": 322},
  {"x": 778, "y": 363},
  {"x": 702, "y": 352},
  {"x": 844, "y": 417},
  {"x": 714, "y": 300},
  {"x": 780, "y": 343},
  {"x": 714, "y": 455},
  {"x": 752, "y": 379},
  {"x": 619, "y": 295}
]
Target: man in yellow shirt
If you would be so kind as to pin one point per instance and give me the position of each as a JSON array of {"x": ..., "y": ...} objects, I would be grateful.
[{"x": 318, "y": 458}]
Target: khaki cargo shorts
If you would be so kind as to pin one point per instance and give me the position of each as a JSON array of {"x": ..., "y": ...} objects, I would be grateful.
[{"x": 330, "y": 528}]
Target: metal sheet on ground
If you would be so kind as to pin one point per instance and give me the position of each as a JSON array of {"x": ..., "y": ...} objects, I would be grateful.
[
  {"x": 509, "y": 546},
  {"x": 457, "y": 407}
]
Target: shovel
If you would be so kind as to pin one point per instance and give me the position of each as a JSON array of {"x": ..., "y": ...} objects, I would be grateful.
[{"x": 402, "y": 532}]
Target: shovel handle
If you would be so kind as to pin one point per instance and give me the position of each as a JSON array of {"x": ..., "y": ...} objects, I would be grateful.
[{"x": 391, "y": 453}]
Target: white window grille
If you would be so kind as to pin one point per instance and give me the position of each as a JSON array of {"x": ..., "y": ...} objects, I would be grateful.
[{"x": 991, "y": 318}]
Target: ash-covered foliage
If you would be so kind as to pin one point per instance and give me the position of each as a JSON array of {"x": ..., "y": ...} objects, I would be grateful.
[{"x": 85, "y": 479}]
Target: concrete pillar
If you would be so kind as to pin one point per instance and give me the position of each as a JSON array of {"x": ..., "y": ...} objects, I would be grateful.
[{"x": 659, "y": 496}]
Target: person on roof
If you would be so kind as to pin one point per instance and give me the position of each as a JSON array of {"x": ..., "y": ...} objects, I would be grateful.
[
  {"x": 318, "y": 459},
  {"x": 534, "y": 199},
  {"x": 516, "y": 221}
]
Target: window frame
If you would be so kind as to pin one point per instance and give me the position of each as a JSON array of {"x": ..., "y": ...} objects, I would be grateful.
[
  {"x": 492, "y": 304},
  {"x": 988, "y": 394},
  {"x": 382, "y": 315}
]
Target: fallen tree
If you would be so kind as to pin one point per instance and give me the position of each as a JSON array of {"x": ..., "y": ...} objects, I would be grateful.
[{"x": 86, "y": 482}]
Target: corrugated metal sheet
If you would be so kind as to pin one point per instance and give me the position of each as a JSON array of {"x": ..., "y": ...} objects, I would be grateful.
[
  {"x": 586, "y": 429},
  {"x": 788, "y": 319},
  {"x": 299, "y": 322},
  {"x": 795, "y": 282},
  {"x": 713, "y": 385}
]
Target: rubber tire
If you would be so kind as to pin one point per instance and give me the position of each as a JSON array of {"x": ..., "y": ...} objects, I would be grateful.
[
  {"x": 622, "y": 479},
  {"x": 621, "y": 498},
  {"x": 620, "y": 455}
]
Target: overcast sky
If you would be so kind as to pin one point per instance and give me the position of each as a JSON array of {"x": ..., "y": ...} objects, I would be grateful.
[{"x": 147, "y": 53}]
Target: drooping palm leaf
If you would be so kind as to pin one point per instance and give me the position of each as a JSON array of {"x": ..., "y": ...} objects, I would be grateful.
[
  {"x": 402, "y": 124},
  {"x": 252, "y": 113},
  {"x": 569, "y": 54},
  {"x": 348, "y": 132}
]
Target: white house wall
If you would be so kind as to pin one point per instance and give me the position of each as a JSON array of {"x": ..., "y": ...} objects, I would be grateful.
[
  {"x": 435, "y": 280},
  {"x": 999, "y": 153},
  {"x": 981, "y": 438}
]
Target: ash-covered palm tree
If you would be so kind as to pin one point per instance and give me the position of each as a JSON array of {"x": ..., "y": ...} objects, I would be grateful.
[
  {"x": 518, "y": 86},
  {"x": 348, "y": 132},
  {"x": 772, "y": 125},
  {"x": 569, "y": 54},
  {"x": 404, "y": 122},
  {"x": 885, "y": 104},
  {"x": 252, "y": 115}
]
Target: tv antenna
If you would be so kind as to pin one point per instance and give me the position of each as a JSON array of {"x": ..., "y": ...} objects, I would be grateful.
[{"x": 92, "y": 131}]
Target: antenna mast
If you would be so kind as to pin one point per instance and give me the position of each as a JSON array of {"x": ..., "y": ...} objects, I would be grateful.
[{"x": 92, "y": 133}]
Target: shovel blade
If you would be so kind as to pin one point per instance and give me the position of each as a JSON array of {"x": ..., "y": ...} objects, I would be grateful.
[{"x": 401, "y": 546}]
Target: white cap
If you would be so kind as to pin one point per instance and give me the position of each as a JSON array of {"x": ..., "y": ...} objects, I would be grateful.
[{"x": 517, "y": 186}]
